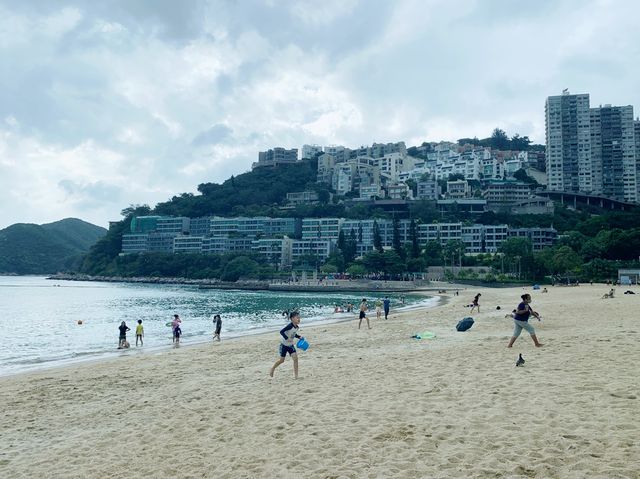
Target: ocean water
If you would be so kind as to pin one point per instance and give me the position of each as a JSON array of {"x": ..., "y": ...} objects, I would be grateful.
[{"x": 40, "y": 316}]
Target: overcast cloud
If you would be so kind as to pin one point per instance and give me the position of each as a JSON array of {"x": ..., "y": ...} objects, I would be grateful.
[{"x": 104, "y": 104}]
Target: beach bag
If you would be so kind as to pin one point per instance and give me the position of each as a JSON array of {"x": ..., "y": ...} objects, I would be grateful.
[{"x": 464, "y": 324}]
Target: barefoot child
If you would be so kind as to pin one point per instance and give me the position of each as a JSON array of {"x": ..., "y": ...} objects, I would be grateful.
[
  {"x": 139, "y": 332},
  {"x": 123, "y": 334},
  {"x": 363, "y": 313},
  {"x": 217, "y": 322},
  {"x": 288, "y": 333}
]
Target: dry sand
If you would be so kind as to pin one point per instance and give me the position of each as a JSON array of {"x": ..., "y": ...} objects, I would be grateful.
[{"x": 369, "y": 403}]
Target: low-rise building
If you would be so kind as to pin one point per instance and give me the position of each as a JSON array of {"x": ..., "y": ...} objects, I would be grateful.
[
  {"x": 428, "y": 190},
  {"x": 540, "y": 237},
  {"x": 371, "y": 192},
  {"x": 187, "y": 244},
  {"x": 399, "y": 191},
  {"x": 302, "y": 197},
  {"x": 321, "y": 228},
  {"x": 458, "y": 189},
  {"x": 276, "y": 156},
  {"x": 501, "y": 195}
]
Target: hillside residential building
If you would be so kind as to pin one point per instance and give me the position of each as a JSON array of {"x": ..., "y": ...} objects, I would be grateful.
[
  {"x": 458, "y": 189},
  {"x": 321, "y": 228},
  {"x": 310, "y": 151},
  {"x": 428, "y": 190},
  {"x": 503, "y": 194},
  {"x": 613, "y": 153},
  {"x": 399, "y": 191},
  {"x": 568, "y": 136},
  {"x": 302, "y": 197},
  {"x": 540, "y": 237},
  {"x": 276, "y": 156}
]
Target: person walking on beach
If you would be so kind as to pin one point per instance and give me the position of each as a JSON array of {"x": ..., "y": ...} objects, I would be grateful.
[
  {"x": 175, "y": 326},
  {"x": 139, "y": 332},
  {"x": 521, "y": 321},
  {"x": 363, "y": 313},
  {"x": 378, "y": 308},
  {"x": 217, "y": 322},
  {"x": 476, "y": 303},
  {"x": 288, "y": 333},
  {"x": 387, "y": 305},
  {"x": 123, "y": 334}
]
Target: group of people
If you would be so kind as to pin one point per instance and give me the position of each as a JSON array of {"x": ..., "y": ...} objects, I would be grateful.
[{"x": 176, "y": 331}]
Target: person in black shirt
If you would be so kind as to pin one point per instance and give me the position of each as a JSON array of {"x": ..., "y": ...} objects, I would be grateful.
[
  {"x": 217, "y": 321},
  {"x": 123, "y": 334},
  {"x": 521, "y": 321}
]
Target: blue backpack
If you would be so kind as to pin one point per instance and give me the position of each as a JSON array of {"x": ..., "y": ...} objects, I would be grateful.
[{"x": 464, "y": 324}]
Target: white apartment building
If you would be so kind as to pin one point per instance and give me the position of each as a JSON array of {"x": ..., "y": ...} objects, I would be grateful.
[
  {"x": 320, "y": 248},
  {"x": 428, "y": 190},
  {"x": 399, "y": 191},
  {"x": 458, "y": 189},
  {"x": 371, "y": 192},
  {"x": 568, "y": 137},
  {"x": 326, "y": 164},
  {"x": 187, "y": 244},
  {"x": 321, "y": 228},
  {"x": 310, "y": 151}
]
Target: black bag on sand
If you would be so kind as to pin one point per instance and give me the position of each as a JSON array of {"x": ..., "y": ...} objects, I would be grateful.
[{"x": 464, "y": 324}]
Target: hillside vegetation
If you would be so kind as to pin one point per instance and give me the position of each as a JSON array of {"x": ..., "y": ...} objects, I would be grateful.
[{"x": 49, "y": 248}]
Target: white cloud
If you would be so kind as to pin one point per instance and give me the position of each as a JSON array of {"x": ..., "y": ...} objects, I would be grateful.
[{"x": 103, "y": 105}]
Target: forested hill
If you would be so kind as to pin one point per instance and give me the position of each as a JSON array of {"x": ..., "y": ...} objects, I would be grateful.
[
  {"x": 247, "y": 193},
  {"x": 49, "y": 248}
]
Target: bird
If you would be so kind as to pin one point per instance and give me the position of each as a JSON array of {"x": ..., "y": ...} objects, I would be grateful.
[{"x": 520, "y": 361}]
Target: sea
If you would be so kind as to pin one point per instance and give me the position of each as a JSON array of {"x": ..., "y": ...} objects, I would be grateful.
[{"x": 40, "y": 317}]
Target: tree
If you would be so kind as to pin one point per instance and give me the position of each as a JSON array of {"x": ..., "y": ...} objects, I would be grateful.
[
  {"x": 413, "y": 234},
  {"x": 433, "y": 253},
  {"x": 500, "y": 140},
  {"x": 377, "y": 238},
  {"x": 520, "y": 143},
  {"x": 521, "y": 175},
  {"x": 374, "y": 261},
  {"x": 241, "y": 266},
  {"x": 397, "y": 245}
]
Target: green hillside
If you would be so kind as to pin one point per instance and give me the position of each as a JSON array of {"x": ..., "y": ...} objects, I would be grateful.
[{"x": 42, "y": 249}]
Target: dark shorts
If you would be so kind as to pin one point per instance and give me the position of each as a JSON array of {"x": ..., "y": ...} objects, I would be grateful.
[
  {"x": 363, "y": 315},
  {"x": 123, "y": 338},
  {"x": 177, "y": 333},
  {"x": 286, "y": 349},
  {"x": 217, "y": 331}
]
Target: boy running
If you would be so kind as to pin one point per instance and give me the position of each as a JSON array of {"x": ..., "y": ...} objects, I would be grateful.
[{"x": 288, "y": 333}]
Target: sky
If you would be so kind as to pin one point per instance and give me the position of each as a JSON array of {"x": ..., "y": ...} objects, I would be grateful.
[{"x": 108, "y": 104}]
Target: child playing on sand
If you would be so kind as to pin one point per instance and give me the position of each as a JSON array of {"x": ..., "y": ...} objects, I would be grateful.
[
  {"x": 521, "y": 321},
  {"x": 139, "y": 332},
  {"x": 288, "y": 333},
  {"x": 217, "y": 322},
  {"x": 363, "y": 313}
]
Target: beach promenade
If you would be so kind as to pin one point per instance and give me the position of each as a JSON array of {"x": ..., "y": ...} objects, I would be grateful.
[{"x": 369, "y": 403}]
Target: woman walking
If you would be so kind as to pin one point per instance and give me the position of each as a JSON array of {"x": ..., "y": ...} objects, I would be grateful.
[
  {"x": 476, "y": 303},
  {"x": 521, "y": 321}
]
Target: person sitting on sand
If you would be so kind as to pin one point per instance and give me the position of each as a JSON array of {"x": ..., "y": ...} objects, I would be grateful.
[
  {"x": 123, "y": 334},
  {"x": 288, "y": 333},
  {"x": 363, "y": 313},
  {"x": 521, "y": 321},
  {"x": 217, "y": 322},
  {"x": 544, "y": 290},
  {"x": 476, "y": 303}
]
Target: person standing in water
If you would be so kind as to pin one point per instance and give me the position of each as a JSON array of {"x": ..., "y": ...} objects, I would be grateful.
[
  {"x": 363, "y": 313},
  {"x": 521, "y": 321},
  {"x": 288, "y": 333},
  {"x": 123, "y": 334},
  {"x": 139, "y": 333},
  {"x": 217, "y": 322},
  {"x": 175, "y": 326}
]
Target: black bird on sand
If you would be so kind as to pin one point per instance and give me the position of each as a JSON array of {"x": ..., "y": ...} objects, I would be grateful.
[{"x": 520, "y": 361}]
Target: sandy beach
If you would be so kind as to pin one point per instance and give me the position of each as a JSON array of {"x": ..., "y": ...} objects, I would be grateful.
[{"x": 368, "y": 404}]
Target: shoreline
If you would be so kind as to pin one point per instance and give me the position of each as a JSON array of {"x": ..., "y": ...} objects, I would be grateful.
[
  {"x": 353, "y": 286},
  {"x": 117, "y": 354},
  {"x": 374, "y": 403}
]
